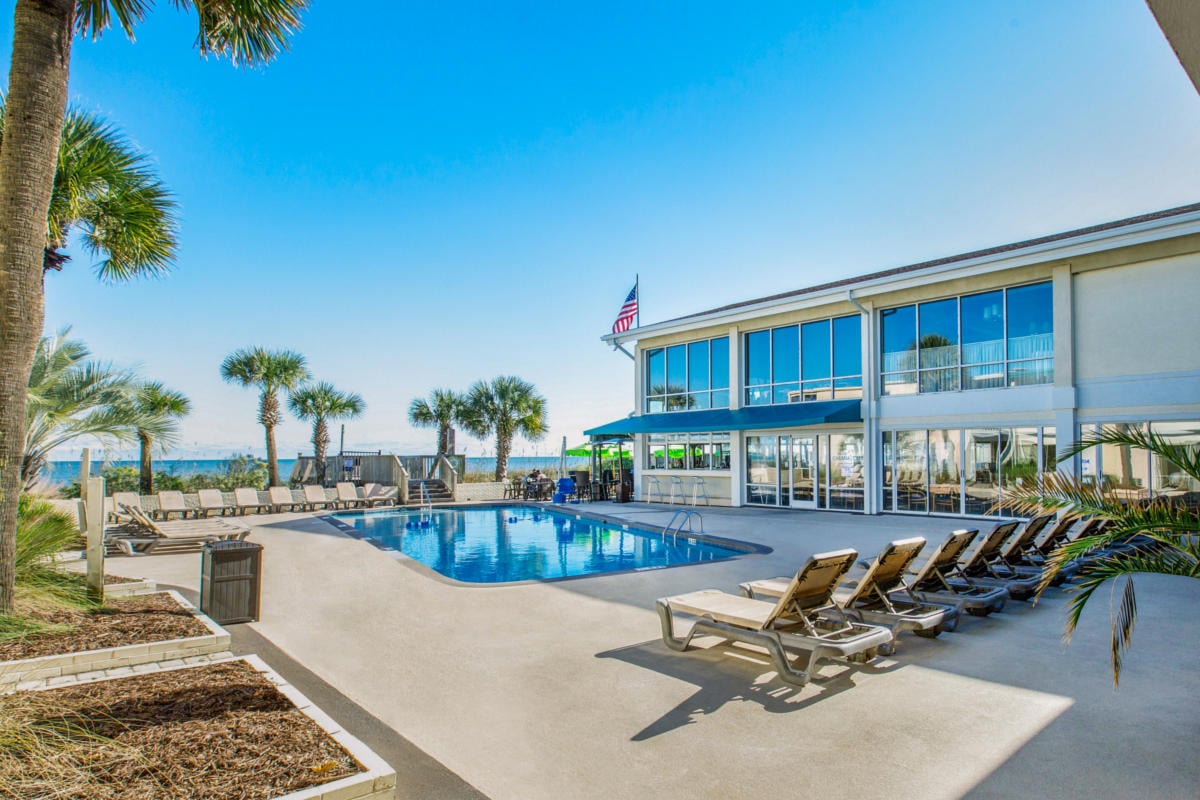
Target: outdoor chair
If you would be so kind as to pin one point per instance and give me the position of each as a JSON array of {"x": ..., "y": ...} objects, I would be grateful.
[
  {"x": 880, "y": 595},
  {"x": 939, "y": 580},
  {"x": 374, "y": 494},
  {"x": 347, "y": 496},
  {"x": 985, "y": 567},
  {"x": 211, "y": 500},
  {"x": 246, "y": 500},
  {"x": 119, "y": 499},
  {"x": 172, "y": 503},
  {"x": 173, "y": 537},
  {"x": 315, "y": 496},
  {"x": 805, "y": 618},
  {"x": 282, "y": 497}
]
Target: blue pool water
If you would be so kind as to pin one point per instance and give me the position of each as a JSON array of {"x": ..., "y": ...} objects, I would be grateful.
[{"x": 497, "y": 545}]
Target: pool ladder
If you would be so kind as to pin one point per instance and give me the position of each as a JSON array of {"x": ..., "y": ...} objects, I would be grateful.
[
  {"x": 426, "y": 505},
  {"x": 683, "y": 516}
]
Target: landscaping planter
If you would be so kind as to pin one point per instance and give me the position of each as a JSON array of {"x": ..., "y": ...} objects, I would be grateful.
[{"x": 60, "y": 668}]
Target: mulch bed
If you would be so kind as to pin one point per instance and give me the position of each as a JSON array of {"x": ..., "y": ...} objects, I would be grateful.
[
  {"x": 218, "y": 731},
  {"x": 122, "y": 621}
]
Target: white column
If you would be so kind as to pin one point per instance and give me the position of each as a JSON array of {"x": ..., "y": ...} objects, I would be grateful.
[
  {"x": 737, "y": 444},
  {"x": 872, "y": 448},
  {"x": 1065, "y": 417}
]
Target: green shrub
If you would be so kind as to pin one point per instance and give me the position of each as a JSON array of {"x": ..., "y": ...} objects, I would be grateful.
[
  {"x": 42, "y": 533},
  {"x": 237, "y": 472}
]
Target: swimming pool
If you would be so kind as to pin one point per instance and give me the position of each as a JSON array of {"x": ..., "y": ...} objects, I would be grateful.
[{"x": 520, "y": 543}]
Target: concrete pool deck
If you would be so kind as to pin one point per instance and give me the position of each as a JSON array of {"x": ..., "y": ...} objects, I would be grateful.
[{"x": 564, "y": 689}]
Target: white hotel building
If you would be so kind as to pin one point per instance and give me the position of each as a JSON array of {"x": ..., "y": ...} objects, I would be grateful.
[{"x": 929, "y": 389}]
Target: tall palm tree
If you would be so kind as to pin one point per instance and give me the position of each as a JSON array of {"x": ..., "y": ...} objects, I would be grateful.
[
  {"x": 318, "y": 403},
  {"x": 270, "y": 371},
  {"x": 440, "y": 410},
  {"x": 248, "y": 32},
  {"x": 165, "y": 407},
  {"x": 70, "y": 397},
  {"x": 504, "y": 407},
  {"x": 1160, "y": 537}
]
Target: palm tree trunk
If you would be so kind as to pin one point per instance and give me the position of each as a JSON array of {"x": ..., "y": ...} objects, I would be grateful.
[
  {"x": 36, "y": 104},
  {"x": 268, "y": 415},
  {"x": 443, "y": 438},
  {"x": 320, "y": 443},
  {"x": 146, "y": 478},
  {"x": 503, "y": 448}
]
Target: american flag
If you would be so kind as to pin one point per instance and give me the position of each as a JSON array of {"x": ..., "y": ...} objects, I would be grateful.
[{"x": 627, "y": 313}]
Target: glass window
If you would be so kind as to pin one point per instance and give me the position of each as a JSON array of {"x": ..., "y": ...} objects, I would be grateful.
[
  {"x": 697, "y": 366},
  {"x": 938, "y": 330},
  {"x": 758, "y": 367},
  {"x": 847, "y": 347},
  {"x": 1018, "y": 464},
  {"x": 898, "y": 332},
  {"x": 720, "y": 451},
  {"x": 911, "y": 477},
  {"x": 944, "y": 472},
  {"x": 889, "y": 471},
  {"x": 983, "y": 328},
  {"x": 1126, "y": 469},
  {"x": 719, "y": 356},
  {"x": 1169, "y": 479},
  {"x": 761, "y": 472},
  {"x": 846, "y": 471},
  {"x": 656, "y": 451},
  {"x": 699, "y": 451},
  {"x": 676, "y": 450},
  {"x": 785, "y": 354},
  {"x": 1031, "y": 321},
  {"x": 982, "y": 450},
  {"x": 656, "y": 372},
  {"x": 676, "y": 369},
  {"x": 817, "y": 350}
]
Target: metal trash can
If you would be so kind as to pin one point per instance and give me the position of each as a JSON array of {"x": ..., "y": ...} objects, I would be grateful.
[{"x": 231, "y": 581}]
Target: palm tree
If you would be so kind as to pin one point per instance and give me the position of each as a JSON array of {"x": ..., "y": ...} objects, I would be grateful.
[
  {"x": 504, "y": 407},
  {"x": 270, "y": 371},
  {"x": 1159, "y": 537},
  {"x": 318, "y": 403},
  {"x": 250, "y": 32},
  {"x": 166, "y": 407},
  {"x": 70, "y": 397},
  {"x": 440, "y": 410}
]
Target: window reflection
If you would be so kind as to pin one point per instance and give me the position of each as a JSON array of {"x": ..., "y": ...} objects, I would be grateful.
[
  {"x": 944, "y": 471},
  {"x": 982, "y": 470},
  {"x": 1007, "y": 339},
  {"x": 688, "y": 376},
  {"x": 818, "y": 360},
  {"x": 911, "y": 478}
]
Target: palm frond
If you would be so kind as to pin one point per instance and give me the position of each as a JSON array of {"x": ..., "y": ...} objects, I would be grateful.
[
  {"x": 248, "y": 32},
  {"x": 1184, "y": 456}
]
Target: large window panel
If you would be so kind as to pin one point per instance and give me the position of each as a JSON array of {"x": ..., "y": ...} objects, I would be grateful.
[
  {"x": 758, "y": 367},
  {"x": 1018, "y": 464},
  {"x": 1126, "y": 469},
  {"x": 945, "y": 471},
  {"x": 1030, "y": 318},
  {"x": 719, "y": 355},
  {"x": 889, "y": 470},
  {"x": 937, "y": 327},
  {"x": 846, "y": 471},
  {"x": 911, "y": 475},
  {"x": 785, "y": 362},
  {"x": 698, "y": 367},
  {"x": 816, "y": 360},
  {"x": 761, "y": 470},
  {"x": 898, "y": 334},
  {"x": 982, "y": 450},
  {"x": 676, "y": 389},
  {"x": 847, "y": 357},
  {"x": 1169, "y": 479}
]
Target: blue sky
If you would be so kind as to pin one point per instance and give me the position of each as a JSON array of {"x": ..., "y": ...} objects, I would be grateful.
[{"x": 419, "y": 197}]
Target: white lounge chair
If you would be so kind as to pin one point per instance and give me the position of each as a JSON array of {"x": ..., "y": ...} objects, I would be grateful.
[
  {"x": 282, "y": 497},
  {"x": 314, "y": 496},
  {"x": 805, "y": 618},
  {"x": 246, "y": 500},
  {"x": 347, "y": 495},
  {"x": 375, "y": 494},
  {"x": 172, "y": 503},
  {"x": 212, "y": 500},
  {"x": 880, "y": 596}
]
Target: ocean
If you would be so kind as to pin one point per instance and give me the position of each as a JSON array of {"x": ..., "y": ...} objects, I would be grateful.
[{"x": 63, "y": 472}]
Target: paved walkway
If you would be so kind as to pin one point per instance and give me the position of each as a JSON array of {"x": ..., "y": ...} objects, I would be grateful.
[{"x": 551, "y": 690}]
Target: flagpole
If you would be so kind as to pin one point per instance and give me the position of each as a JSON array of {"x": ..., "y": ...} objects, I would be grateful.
[{"x": 637, "y": 295}]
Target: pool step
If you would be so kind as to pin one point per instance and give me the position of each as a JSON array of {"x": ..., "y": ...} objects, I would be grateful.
[{"x": 437, "y": 490}]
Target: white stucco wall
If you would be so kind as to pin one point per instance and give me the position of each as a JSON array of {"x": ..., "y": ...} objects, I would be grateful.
[{"x": 1138, "y": 319}]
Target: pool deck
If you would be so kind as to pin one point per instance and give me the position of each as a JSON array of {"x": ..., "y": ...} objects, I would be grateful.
[{"x": 564, "y": 689}]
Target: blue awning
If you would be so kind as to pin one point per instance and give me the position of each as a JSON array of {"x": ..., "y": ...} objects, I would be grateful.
[{"x": 784, "y": 415}]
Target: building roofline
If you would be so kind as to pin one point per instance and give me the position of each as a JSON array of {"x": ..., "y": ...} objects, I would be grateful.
[{"x": 1089, "y": 235}]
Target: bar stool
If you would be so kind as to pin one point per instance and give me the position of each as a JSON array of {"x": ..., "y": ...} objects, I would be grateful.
[
  {"x": 654, "y": 490},
  {"x": 676, "y": 490},
  {"x": 698, "y": 492}
]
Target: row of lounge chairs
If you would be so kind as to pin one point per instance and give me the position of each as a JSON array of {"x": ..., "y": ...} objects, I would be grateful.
[
  {"x": 208, "y": 502},
  {"x": 819, "y": 611}
]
